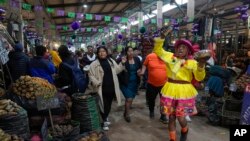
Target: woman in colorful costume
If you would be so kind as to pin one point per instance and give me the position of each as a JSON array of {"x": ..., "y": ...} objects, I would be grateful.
[{"x": 178, "y": 94}]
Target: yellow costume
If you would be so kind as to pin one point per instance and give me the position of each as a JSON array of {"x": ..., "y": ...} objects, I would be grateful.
[
  {"x": 55, "y": 58},
  {"x": 178, "y": 94}
]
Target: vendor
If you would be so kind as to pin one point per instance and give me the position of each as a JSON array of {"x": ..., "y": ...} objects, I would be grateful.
[{"x": 178, "y": 94}]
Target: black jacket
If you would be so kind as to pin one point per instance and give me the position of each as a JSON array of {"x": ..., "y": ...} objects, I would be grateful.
[{"x": 18, "y": 64}]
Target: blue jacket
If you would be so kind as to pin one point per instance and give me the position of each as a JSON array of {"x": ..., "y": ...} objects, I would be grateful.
[{"x": 40, "y": 67}]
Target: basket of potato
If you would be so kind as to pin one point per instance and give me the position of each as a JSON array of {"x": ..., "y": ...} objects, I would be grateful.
[
  {"x": 7, "y": 137},
  {"x": 92, "y": 136},
  {"x": 13, "y": 119},
  {"x": 66, "y": 131},
  {"x": 7, "y": 107},
  {"x": 31, "y": 87}
]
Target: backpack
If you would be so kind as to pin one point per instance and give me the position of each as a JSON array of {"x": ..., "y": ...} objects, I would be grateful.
[{"x": 79, "y": 81}]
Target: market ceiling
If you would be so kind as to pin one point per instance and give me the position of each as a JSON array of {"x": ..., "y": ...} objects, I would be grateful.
[{"x": 223, "y": 9}]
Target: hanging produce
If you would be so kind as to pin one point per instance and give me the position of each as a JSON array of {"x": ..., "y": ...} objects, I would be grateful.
[{"x": 31, "y": 87}]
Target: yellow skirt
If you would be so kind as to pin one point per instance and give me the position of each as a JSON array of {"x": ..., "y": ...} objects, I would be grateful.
[
  {"x": 178, "y": 91},
  {"x": 178, "y": 99}
]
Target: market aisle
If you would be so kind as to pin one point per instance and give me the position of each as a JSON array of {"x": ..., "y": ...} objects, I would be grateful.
[{"x": 143, "y": 129}]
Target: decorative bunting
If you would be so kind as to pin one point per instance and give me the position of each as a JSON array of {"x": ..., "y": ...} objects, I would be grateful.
[
  {"x": 79, "y": 15},
  {"x": 79, "y": 39},
  {"x": 83, "y": 29},
  {"x": 106, "y": 29},
  {"x": 117, "y": 19},
  {"x": 159, "y": 20},
  {"x": 147, "y": 21},
  {"x": 89, "y": 16},
  {"x": 112, "y": 29},
  {"x": 124, "y": 20},
  {"x": 38, "y": 8},
  {"x": 179, "y": 20},
  {"x": 98, "y": 17},
  {"x": 100, "y": 30},
  {"x": 71, "y": 14},
  {"x": 52, "y": 26},
  {"x": 94, "y": 29},
  {"x": 153, "y": 21},
  {"x": 65, "y": 27},
  {"x": 50, "y": 10},
  {"x": 191, "y": 19},
  {"x": 26, "y": 6},
  {"x": 88, "y": 29},
  {"x": 14, "y": 4},
  {"x": 107, "y": 18},
  {"x": 60, "y": 12},
  {"x": 58, "y": 27},
  {"x": 166, "y": 21}
]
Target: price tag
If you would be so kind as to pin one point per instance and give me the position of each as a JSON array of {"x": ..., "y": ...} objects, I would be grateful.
[
  {"x": 47, "y": 103},
  {"x": 44, "y": 130}
]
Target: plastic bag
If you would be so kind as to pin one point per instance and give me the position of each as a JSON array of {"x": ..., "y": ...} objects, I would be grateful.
[
  {"x": 16, "y": 124},
  {"x": 86, "y": 111},
  {"x": 73, "y": 134}
]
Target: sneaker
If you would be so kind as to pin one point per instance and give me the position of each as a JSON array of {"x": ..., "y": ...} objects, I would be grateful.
[
  {"x": 107, "y": 122},
  {"x": 105, "y": 128},
  {"x": 164, "y": 119},
  {"x": 188, "y": 118}
]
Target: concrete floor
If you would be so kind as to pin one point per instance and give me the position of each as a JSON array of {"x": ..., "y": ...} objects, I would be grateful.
[{"x": 143, "y": 129}]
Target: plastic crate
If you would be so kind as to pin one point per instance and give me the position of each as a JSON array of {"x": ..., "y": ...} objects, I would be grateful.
[{"x": 232, "y": 109}]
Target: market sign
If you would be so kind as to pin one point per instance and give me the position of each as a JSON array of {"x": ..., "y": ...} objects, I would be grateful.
[
  {"x": 44, "y": 130},
  {"x": 44, "y": 103},
  {"x": 245, "y": 112}
]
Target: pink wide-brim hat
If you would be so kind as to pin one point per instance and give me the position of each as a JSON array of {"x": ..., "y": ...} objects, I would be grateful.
[{"x": 186, "y": 43}]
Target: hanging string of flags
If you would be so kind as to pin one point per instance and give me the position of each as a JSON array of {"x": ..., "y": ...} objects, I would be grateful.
[{"x": 87, "y": 16}]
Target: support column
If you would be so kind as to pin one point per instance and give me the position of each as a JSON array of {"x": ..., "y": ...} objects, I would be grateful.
[
  {"x": 140, "y": 18},
  {"x": 39, "y": 20},
  {"x": 159, "y": 14},
  {"x": 190, "y": 11},
  {"x": 13, "y": 10}
]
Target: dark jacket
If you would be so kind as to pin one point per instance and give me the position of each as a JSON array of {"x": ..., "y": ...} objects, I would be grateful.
[
  {"x": 18, "y": 64},
  {"x": 40, "y": 67},
  {"x": 65, "y": 77}
]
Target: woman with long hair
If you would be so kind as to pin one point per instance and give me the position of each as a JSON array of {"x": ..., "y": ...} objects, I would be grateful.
[
  {"x": 129, "y": 89},
  {"x": 103, "y": 76},
  {"x": 178, "y": 94}
]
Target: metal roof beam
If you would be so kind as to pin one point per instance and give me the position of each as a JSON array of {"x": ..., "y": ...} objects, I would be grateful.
[{"x": 92, "y": 3}]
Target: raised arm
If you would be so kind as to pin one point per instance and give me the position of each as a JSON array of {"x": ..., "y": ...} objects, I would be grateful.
[{"x": 159, "y": 51}]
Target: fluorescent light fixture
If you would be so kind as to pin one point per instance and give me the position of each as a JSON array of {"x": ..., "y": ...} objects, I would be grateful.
[
  {"x": 79, "y": 21},
  {"x": 85, "y": 5},
  {"x": 165, "y": 8}
]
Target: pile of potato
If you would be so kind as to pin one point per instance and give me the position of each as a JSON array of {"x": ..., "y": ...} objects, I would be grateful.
[
  {"x": 31, "y": 87},
  {"x": 8, "y": 107},
  {"x": 61, "y": 130},
  {"x": 6, "y": 137},
  {"x": 242, "y": 82},
  {"x": 92, "y": 137}
]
